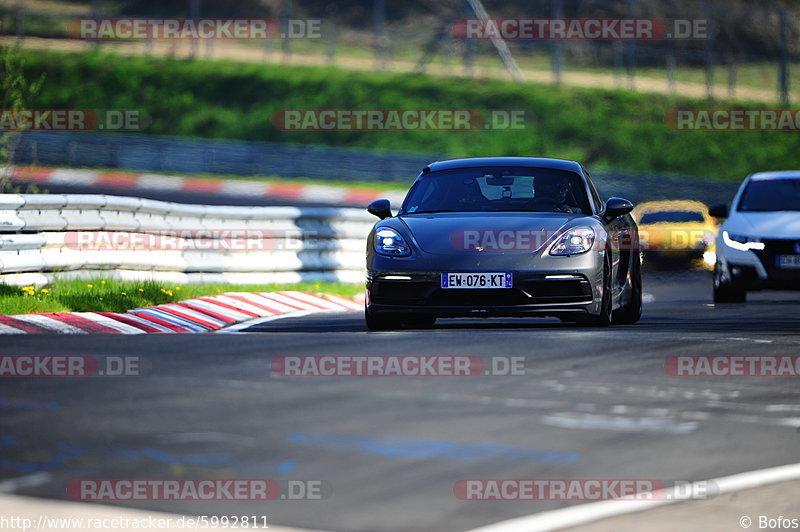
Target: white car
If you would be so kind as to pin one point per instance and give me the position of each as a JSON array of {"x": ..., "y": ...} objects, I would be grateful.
[{"x": 758, "y": 246}]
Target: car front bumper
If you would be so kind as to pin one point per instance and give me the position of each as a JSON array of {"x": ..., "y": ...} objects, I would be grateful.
[
  {"x": 534, "y": 293},
  {"x": 758, "y": 270}
]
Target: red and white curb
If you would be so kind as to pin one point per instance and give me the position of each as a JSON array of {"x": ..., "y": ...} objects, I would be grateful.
[
  {"x": 207, "y": 185},
  {"x": 228, "y": 312}
]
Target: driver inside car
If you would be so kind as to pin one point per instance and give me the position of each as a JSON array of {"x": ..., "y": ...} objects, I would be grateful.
[{"x": 550, "y": 195}]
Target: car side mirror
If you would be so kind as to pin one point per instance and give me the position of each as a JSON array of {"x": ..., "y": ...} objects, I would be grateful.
[
  {"x": 616, "y": 207},
  {"x": 380, "y": 208},
  {"x": 720, "y": 210}
]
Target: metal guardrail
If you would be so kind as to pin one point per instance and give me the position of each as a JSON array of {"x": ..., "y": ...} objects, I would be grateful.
[
  {"x": 214, "y": 156},
  {"x": 43, "y": 237},
  {"x": 157, "y": 153}
]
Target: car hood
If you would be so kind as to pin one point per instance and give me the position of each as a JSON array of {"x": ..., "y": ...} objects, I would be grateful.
[
  {"x": 495, "y": 232},
  {"x": 779, "y": 224}
]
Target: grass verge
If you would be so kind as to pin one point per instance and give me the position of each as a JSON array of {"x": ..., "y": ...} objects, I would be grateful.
[{"x": 101, "y": 295}]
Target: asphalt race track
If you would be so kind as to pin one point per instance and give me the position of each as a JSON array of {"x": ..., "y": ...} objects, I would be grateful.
[{"x": 592, "y": 404}]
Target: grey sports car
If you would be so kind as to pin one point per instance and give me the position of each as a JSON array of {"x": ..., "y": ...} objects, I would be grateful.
[{"x": 510, "y": 236}]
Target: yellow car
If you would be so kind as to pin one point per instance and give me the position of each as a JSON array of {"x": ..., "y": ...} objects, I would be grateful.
[{"x": 676, "y": 230}]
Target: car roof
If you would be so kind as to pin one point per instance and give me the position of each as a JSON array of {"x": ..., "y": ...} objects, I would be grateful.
[
  {"x": 534, "y": 162},
  {"x": 765, "y": 176}
]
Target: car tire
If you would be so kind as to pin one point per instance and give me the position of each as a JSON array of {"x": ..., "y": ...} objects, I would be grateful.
[
  {"x": 384, "y": 322},
  {"x": 389, "y": 322},
  {"x": 419, "y": 322},
  {"x": 605, "y": 317},
  {"x": 727, "y": 292},
  {"x": 631, "y": 312}
]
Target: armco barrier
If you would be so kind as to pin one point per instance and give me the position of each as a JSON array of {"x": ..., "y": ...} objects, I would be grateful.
[
  {"x": 44, "y": 236},
  {"x": 155, "y": 153}
]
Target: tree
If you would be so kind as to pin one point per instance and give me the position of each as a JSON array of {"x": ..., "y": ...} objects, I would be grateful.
[{"x": 16, "y": 93}]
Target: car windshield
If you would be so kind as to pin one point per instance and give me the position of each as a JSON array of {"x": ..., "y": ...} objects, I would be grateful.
[
  {"x": 771, "y": 195},
  {"x": 671, "y": 217},
  {"x": 493, "y": 189}
]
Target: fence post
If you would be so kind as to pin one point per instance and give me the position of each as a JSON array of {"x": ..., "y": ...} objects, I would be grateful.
[
  {"x": 330, "y": 42},
  {"x": 630, "y": 49},
  {"x": 469, "y": 46},
  {"x": 97, "y": 12},
  {"x": 709, "y": 51},
  {"x": 380, "y": 38},
  {"x": 617, "y": 49},
  {"x": 558, "y": 46},
  {"x": 731, "y": 75},
  {"x": 20, "y": 20},
  {"x": 194, "y": 13},
  {"x": 286, "y": 15},
  {"x": 783, "y": 76},
  {"x": 671, "y": 71}
]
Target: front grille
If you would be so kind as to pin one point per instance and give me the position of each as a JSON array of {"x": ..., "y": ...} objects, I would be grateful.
[
  {"x": 478, "y": 298},
  {"x": 779, "y": 277}
]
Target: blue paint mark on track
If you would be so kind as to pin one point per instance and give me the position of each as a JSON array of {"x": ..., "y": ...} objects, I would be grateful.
[
  {"x": 432, "y": 449},
  {"x": 67, "y": 451}
]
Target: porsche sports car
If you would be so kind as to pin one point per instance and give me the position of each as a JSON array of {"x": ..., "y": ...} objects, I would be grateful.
[
  {"x": 676, "y": 230},
  {"x": 506, "y": 236},
  {"x": 758, "y": 246}
]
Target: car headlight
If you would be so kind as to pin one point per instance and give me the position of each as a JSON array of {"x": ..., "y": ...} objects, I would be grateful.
[
  {"x": 741, "y": 242},
  {"x": 574, "y": 242},
  {"x": 389, "y": 242}
]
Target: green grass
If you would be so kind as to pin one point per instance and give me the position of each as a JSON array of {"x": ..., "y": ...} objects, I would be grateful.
[
  {"x": 100, "y": 295},
  {"x": 221, "y": 99}
]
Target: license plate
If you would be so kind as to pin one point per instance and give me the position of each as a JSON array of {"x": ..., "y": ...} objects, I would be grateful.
[
  {"x": 477, "y": 280},
  {"x": 788, "y": 261}
]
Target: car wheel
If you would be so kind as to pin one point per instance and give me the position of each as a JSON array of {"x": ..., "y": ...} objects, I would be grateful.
[
  {"x": 604, "y": 318},
  {"x": 632, "y": 310},
  {"x": 420, "y": 322},
  {"x": 727, "y": 292},
  {"x": 388, "y": 322}
]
